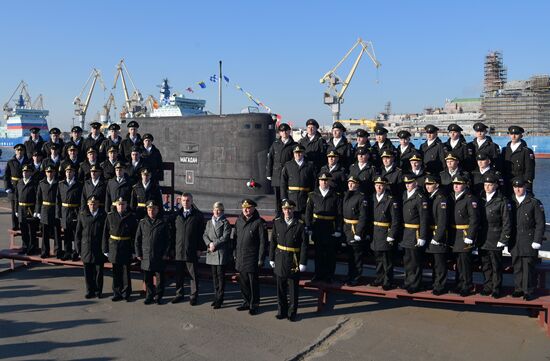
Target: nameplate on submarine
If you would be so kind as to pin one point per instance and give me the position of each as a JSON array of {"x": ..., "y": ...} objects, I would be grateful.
[{"x": 189, "y": 159}]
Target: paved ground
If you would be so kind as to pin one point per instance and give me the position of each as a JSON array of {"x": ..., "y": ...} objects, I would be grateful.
[{"x": 43, "y": 315}]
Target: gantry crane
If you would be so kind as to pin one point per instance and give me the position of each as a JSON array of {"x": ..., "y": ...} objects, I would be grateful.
[
  {"x": 24, "y": 99},
  {"x": 334, "y": 97},
  {"x": 133, "y": 105},
  {"x": 105, "y": 116},
  {"x": 81, "y": 108}
]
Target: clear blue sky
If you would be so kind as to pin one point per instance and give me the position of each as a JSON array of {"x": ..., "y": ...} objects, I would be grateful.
[{"x": 277, "y": 50}]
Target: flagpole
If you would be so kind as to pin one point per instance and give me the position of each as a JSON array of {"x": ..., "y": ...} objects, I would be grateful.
[{"x": 220, "y": 88}]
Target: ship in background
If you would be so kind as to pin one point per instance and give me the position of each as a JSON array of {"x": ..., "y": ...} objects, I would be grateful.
[{"x": 20, "y": 115}]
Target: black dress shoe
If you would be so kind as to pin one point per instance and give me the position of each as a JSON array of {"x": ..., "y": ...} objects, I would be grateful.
[
  {"x": 116, "y": 298},
  {"x": 485, "y": 292},
  {"x": 148, "y": 301},
  {"x": 193, "y": 301},
  {"x": 127, "y": 299},
  {"x": 176, "y": 299},
  {"x": 529, "y": 297},
  {"x": 217, "y": 306},
  {"x": 437, "y": 292},
  {"x": 243, "y": 307},
  {"x": 66, "y": 257},
  {"x": 44, "y": 255},
  {"x": 253, "y": 311},
  {"x": 280, "y": 316},
  {"x": 496, "y": 294},
  {"x": 412, "y": 290},
  {"x": 23, "y": 251},
  {"x": 517, "y": 294},
  {"x": 99, "y": 295},
  {"x": 292, "y": 318},
  {"x": 59, "y": 255},
  {"x": 75, "y": 257},
  {"x": 376, "y": 283},
  {"x": 213, "y": 303},
  {"x": 89, "y": 295},
  {"x": 159, "y": 301},
  {"x": 387, "y": 287},
  {"x": 465, "y": 292}
]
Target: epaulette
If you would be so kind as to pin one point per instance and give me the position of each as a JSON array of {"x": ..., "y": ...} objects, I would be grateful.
[
  {"x": 278, "y": 218},
  {"x": 300, "y": 221},
  {"x": 135, "y": 185}
]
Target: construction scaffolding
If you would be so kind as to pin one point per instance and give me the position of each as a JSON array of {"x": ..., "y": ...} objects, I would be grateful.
[{"x": 522, "y": 102}]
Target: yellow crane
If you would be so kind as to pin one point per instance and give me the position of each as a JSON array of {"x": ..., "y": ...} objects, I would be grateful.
[
  {"x": 82, "y": 107},
  {"x": 132, "y": 103},
  {"x": 333, "y": 97}
]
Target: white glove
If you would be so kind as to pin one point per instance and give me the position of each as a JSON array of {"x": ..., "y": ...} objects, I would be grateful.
[
  {"x": 389, "y": 239},
  {"x": 420, "y": 242},
  {"x": 38, "y": 216},
  {"x": 344, "y": 244},
  {"x": 16, "y": 214},
  {"x": 9, "y": 190},
  {"x": 272, "y": 264},
  {"x": 434, "y": 243},
  {"x": 535, "y": 245},
  {"x": 268, "y": 178},
  {"x": 357, "y": 238},
  {"x": 302, "y": 267},
  {"x": 468, "y": 241},
  {"x": 500, "y": 244},
  {"x": 106, "y": 254},
  {"x": 336, "y": 234}
]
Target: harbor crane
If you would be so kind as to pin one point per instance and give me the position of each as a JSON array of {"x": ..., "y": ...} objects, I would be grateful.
[
  {"x": 105, "y": 116},
  {"x": 334, "y": 97},
  {"x": 82, "y": 107},
  {"x": 23, "y": 100},
  {"x": 133, "y": 105}
]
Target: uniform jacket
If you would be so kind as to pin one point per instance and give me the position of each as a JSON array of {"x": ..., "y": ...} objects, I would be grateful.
[
  {"x": 489, "y": 148},
  {"x": 319, "y": 207},
  {"x": 99, "y": 190},
  {"x": 220, "y": 235},
  {"x": 84, "y": 170},
  {"x": 447, "y": 179},
  {"x": 125, "y": 149},
  {"x": 387, "y": 212},
  {"x": 46, "y": 148},
  {"x": 105, "y": 145},
  {"x": 108, "y": 169},
  {"x": 415, "y": 212},
  {"x": 31, "y": 146},
  {"x": 365, "y": 176},
  {"x": 343, "y": 149},
  {"x": 153, "y": 243},
  {"x": 316, "y": 150},
  {"x": 303, "y": 176},
  {"x": 518, "y": 163},
  {"x": 529, "y": 222},
  {"x": 395, "y": 180},
  {"x": 496, "y": 222},
  {"x": 378, "y": 149},
  {"x": 13, "y": 173},
  {"x": 355, "y": 210},
  {"x": 116, "y": 190},
  {"x": 338, "y": 182},
  {"x": 402, "y": 158},
  {"x": 251, "y": 239},
  {"x": 463, "y": 213},
  {"x": 121, "y": 226},
  {"x": 478, "y": 180},
  {"x": 464, "y": 152},
  {"x": 439, "y": 222},
  {"x": 279, "y": 153},
  {"x": 90, "y": 142},
  {"x": 433, "y": 156},
  {"x": 140, "y": 195},
  {"x": 88, "y": 238},
  {"x": 64, "y": 164},
  {"x": 25, "y": 196},
  {"x": 47, "y": 193},
  {"x": 134, "y": 171},
  {"x": 70, "y": 195},
  {"x": 154, "y": 159},
  {"x": 290, "y": 236},
  {"x": 81, "y": 155},
  {"x": 189, "y": 232}
]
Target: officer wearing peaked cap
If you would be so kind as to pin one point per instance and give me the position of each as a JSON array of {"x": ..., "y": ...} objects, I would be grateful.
[
  {"x": 415, "y": 233},
  {"x": 95, "y": 138},
  {"x": 385, "y": 228},
  {"x": 288, "y": 257},
  {"x": 135, "y": 165},
  {"x": 55, "y": 138},
  {"x": 339, "y": 144},
  {"x": 12, "y": 174},
  {"x": 25, "y": 198},
  {"x": 69, "y": 193},
  {"x": 279, "y": 153},
  {"x": 362, "y": 142},
  {"x": 251, "y": 239},
  {"x": 145, "y": 189},
  {"x": 518, "y": 160},
  {"x": 114, "y": 139},
  {"x": 463, "y": 232},
  {"x": 405, "y": 150},
  {"x": 528, "y": 217},
  {"x": 72, "y": 157},
  {"x": 118, "y": 187},
  {"x": 314, "y": 144},
  {"x": 495, "y": 233},
  {"x": 151, "y": 155},
  {"x": 133, "y": 139},
  {"x": 453, "y": 168},
  {"x": 417, "y": 169},
  {"x": 459, "y": 147},
  {"x": 95, "y": 186},
  {"x": 484, "y": 168},
  {"x": 108, "y": 165},
  {"x": 337, "y": 172},
  {"x": 92, "y": 158},
  {"x": 46, "y": 200},
  {"x": 433, "y": 151},
  {"x": 382, "y": 144},
  {"x": 118, "y": 240},
  {"x": 484, "y": 144},
  {"x": 77, "y": 141},
  {"x": 34, "y": 143},
  {"x": 392, "y": 173},
  {"x": 297, "y": 179},
  {"x": 438, "y": 247},
  {"x": 363, "y": 170},
  {"x": 324, "y": 219},
  {"x": 355, "y": 216},
  {"x": 88, "y": 243}
]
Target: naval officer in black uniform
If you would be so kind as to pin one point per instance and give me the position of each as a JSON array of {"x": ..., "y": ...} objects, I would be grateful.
[
  {"x": 297, "y": 179},
  {"x": 518, "y": 160},
  {"x": 433, "y": 150},
  {"x": 25, "y": 197},
  {"x": 12, "y": 174},
  {"x": 69, "y": 193},
  {"x": 314, "y": 145},
  {"x": 46, "y": 199}
]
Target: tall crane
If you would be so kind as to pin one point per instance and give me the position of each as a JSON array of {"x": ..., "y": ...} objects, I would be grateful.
[
  {"x": 80, "y": 107},
  {"x": 105, "y": 116},
  {"x": 132, "y": 104},
  {"x": 333, "y": 97},
  {"x": 24, "y": 99}
]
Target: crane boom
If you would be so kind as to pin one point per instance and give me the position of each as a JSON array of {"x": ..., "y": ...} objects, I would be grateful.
[
  {"x": 82, "y": 108},
  {"x": 132, "y": 104}
]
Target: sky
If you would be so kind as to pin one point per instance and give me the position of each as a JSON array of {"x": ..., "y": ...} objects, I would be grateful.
[{"x": 276, "y": 50}]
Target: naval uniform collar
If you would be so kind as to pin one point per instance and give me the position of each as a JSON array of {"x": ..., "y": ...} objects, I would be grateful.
[
  {"x": 95, "y": 182},
  {"x": 514, "y": 147},
  {"x": 324, "y": 192},
  {"x": 459, "y": 195},
  {"x": 480, "y": 142},
  {"x": 362, "y": 166},
  {"x": 411, "y": 193},
  {"x": 299, "y": 162},
  {"x": 484, "y": 170},
  {"x": 453, "y": 143},
  {"x": 490, "y": 196},
  {"x": 334, "y": 167},
  {"x": 379, "y": 197},
  {"x": 520, "y": 199}
]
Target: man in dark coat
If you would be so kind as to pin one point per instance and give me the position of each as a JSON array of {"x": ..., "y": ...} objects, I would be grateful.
[
  {"x": 482, "y": 170},
  {"x": 364, "y": 171},
  {"x": 314, "y": 145},
  {"x": 77, "y": 141},
  {"x": 279, "y": 153},
  {"x": 25, "y": 196},
  {"x": 362, "y": 143},
  {"x": 386, "y": 226},
  {"x": 114, "y": 139},
  {"x": 417, "y": 169},
  {"x": 84, "y": 170},
  {"x": 338, "y": 178},
  {"x": 46, "y": 199},
  {"x": 88, "y": 243},
  {"x": 152, "y": 244},
  {"x": 117, "y": 187},
  {"x": 72, "y": 157},
  {"x": 381, "y": 145},
  {"x": 297, "y": 179},
  {"x": 144, "y": 190},
  {"x": 462, "y": 150},
  {"x": 433, "y": 151},
  {"x": 454, "y": 168},
  {"x": 439, "y": 222},
  {"x": 108, "y": 165},
  {"x": 484, "y": 144},
  {"x": 133, "y": 139},
  {"x": 151, "y": 155},
  {"x": 69, "y": 193},
  {"x": 12, "y": 174},
  {"x": 55, "y": 138},
  {"x": 95, "y": 138},
  {"x": 494, "y": 234},
  {"x": 34, "y": 143},
  {"x": 405, "y": 150},
  {"x": 529, "y": 220},
  {"x": 339, "y": 144},
  {"x": 251, "y": 237},
  {"x": 134, "y": 167},
  {"x": 355, "y": 215},
  {"x": 517, "y": 160},
  {"x": 118, "y": 245},
  {"x": 36, "y": 162},
  {"x": 464, "y": 218},
  {"x": 324, "y": 219},
  {"x": 53, "y": 159},
  {"x": 95, "y": 186},
  {"x": 415, "y": 232},
  {"x": 189, "y": 227},
  {"x": 392, "y": 173},
  {"x": 288, "y": 257}
]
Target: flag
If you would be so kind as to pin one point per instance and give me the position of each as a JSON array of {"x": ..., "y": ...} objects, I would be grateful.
[
  {"x": 226, "y": 78},
  {"x": 238, "y": 87},
  {"x": 213, "y": 78},
  {"x": 189, "y": 90},
  {"x": 202, "y": 84}
]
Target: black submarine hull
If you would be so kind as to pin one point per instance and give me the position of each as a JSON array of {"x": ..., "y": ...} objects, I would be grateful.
[{"x": 216, "y": 157}]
